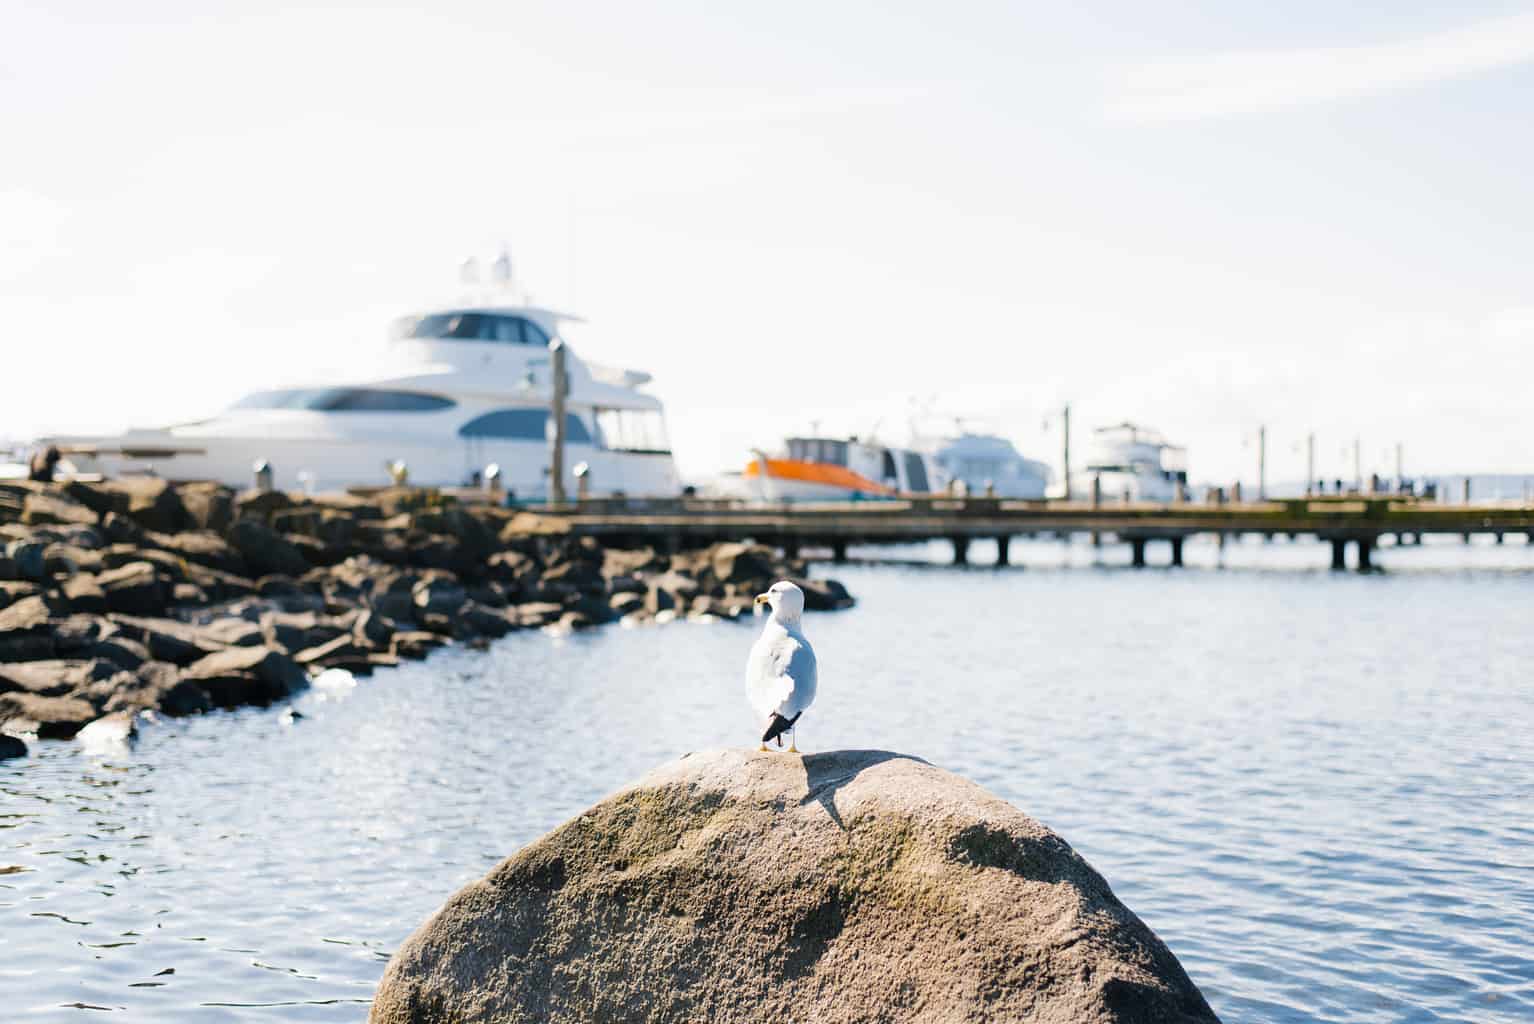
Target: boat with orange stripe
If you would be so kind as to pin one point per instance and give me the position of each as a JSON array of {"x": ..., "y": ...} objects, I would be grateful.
[{"x": 832, "y": 469}]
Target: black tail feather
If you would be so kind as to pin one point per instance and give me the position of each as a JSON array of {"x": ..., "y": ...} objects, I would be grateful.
[{"x": 778, "y": 726}]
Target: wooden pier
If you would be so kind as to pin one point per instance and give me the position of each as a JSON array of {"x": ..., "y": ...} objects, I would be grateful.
[{"x": 1360, "y": 520}]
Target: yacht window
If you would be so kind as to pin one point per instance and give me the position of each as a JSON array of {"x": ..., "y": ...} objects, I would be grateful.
[
  {"x": 503, "y": 328},
  {"x": 523, "y": 425},
  {"x": 507, "y": 330},
  {"x": 633, "y": 430},
  {"x": 345, "y": 400},
  {"x": 916, "y": 473},
  {"x": 888, "y": 469}
]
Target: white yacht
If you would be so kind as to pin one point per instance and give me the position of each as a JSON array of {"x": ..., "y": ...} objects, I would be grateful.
[
  {"x": 988, "y": 464},
  {"x": 460, "y": 390},
  {"x": 1131, "y": 463}
]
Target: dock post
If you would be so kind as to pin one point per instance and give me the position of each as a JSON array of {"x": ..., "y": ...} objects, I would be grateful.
[
  {"x": 556, "y": 436},
  {"x": 1339, "y": 553},
  {"x": 1177, "y": 552},
  {"x": 960, "y": 550},
  {"x": 790, "y": 547},
  {"x": 1499, "y": 538},
  {"x": 1365, "y": 553},
  {"x": 1465, "y": 492},
  {"x": 1137, "y": 552},
  {"x": 1003, "y": 552},
  {"x": 838, "y": 551}
]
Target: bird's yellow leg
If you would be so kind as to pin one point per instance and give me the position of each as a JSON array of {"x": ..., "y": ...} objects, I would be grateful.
[
  {"x": 793, "y": 741},
  {"x": 763, "y": 749}
]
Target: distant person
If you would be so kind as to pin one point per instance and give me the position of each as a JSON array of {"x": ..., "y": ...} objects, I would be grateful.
[{"x": 43, "y": 465}]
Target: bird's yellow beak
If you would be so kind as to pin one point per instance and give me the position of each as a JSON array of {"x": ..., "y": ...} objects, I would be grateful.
[{"x": 763, "y": 598}]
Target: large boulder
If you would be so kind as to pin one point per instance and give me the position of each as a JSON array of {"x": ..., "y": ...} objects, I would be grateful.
[{"x": 839, "y": 887}]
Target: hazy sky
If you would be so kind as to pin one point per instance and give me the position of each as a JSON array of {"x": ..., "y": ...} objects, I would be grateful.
[{"x": 1202, "y": 216}]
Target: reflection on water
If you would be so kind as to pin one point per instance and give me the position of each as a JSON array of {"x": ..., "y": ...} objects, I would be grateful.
[{"x": 1315, "y": 787}]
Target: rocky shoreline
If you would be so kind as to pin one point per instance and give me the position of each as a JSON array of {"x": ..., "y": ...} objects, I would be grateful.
[{"x": 139, "y": 595}]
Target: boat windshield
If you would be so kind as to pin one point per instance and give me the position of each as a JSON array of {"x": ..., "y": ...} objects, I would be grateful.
[
  {"x": 469, "y": 326},
  {"x": 345, "y": 400}
]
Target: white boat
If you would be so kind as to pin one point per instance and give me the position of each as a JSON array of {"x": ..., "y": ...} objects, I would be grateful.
[
  {"x": 1131, "y": 463},
  {"x": 988, "y": 464},
  {"x": 460, "y": 390},
  {"x": 838, "y": 469}
]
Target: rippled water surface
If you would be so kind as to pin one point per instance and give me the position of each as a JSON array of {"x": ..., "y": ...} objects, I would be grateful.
[{"x": 1316, "y": 787}]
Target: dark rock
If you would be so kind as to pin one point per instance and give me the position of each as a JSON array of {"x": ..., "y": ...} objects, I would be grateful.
[
  {"x": 342, "y": 652},
  {"x": 53, "y": 678},
  {"x": 260, "y": 504},
  {"x": 49, "y": 717},
  {"x": 414, "y": 643},
  {"x": 79, "y": 633},
  {"x": 210, "y": 506},
  {"x": 29, "y": 611},
  {"x": 166, "y": 639},
  {"x": 823, "y": 595},
  {"x": 265, "y": 551},
  {"x": 135, "y": 589},
  {"x": 510, "y": 566},
  {"x": 375, "y": 628},
  {"x": 83, "y": 594},
  {"x": 483, "y": 621},
  {"x": 742, "y": 887},
  {"x": 152, "y": 503},
  {"x": 11, "y": 747},
  {"x": 28, "y": 559},
  {"x": 296, "y": 631},
  {"x": 439, "y": 595},
  {"x": 200, "y": 548},
  {"x": 625, "y": 601},
  {"x": 119, "y": 529},
  {"x": 40, "y": 509},
  {"x": 247, "y": 675},
  {"x": 233, "y": 633},
  {"x": 536, "y": 613},
  {"x": 121, "y": 651},
  {"x": 95, "y": 497},
  {"x": 618, "y": 562},
  {"x": 742, "y": 563}
]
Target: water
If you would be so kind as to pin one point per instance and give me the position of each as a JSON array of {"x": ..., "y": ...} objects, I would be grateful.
[{"x": 1315, "y": 787}]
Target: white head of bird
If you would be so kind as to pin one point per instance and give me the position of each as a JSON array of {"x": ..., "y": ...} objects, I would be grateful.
[{"x": 786, "y": 601}]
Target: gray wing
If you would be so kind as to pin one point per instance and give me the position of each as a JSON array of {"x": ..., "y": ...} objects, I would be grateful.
[
  {"x": 798, "y": 665},
  {"x": 779, "y": 675}
]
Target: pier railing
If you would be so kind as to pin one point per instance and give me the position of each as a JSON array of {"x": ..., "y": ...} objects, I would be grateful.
[{"x": 1341, "y": 519}]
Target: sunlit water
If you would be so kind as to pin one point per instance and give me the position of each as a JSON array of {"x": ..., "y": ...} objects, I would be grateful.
[{"x": 1316, "y": 787}]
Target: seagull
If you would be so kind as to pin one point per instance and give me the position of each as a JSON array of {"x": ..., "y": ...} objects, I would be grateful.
[{"x": 780, "y": 673}]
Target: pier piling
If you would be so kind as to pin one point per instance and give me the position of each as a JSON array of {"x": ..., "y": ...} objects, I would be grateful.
[
  {"x": 1003, "y": 550},
  {"x": 1365, "y": 547},
  {"x": 1176, "y": 552},
  {"x": 1137, "y": 552},
  {"x": 960, "y": 550},
  {"x": 1339, "y": 553}
]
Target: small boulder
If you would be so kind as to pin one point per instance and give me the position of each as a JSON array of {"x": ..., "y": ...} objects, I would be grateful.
[
  {"x": 134, "y": 589},
  {"x": 11, "y": 746},
  {"x": 83, "y": 594},
  {"x": 742, "y": 563},
  {"x": 41, "y": 508},
  {"x": 56, "y": 718},
  {"x": 266, "y": 551},
  {"x": 247, "y": 675}
]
